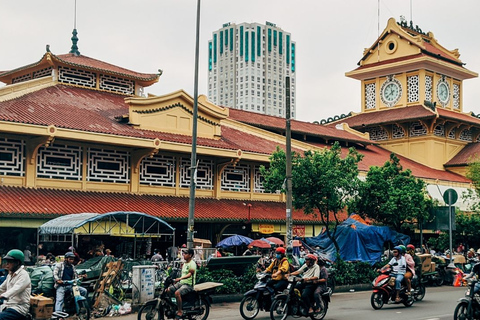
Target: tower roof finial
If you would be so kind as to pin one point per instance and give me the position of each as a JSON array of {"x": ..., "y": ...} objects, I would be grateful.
[
  {"x": 74, "y": 48},
  {"x": 74, "y": 38}
]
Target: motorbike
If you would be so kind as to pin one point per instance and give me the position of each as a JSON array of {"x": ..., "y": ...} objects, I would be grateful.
[
  {"x": 384, "y": 290},
  {"x": 195, "y": 304},
  {"x": 75, "y": 303},
  {"x": 418, "y": 287},
  {"x": 468, "y": 307},
  {"x": 290, "y": 303},
  {"x": 259, "y": 298}
]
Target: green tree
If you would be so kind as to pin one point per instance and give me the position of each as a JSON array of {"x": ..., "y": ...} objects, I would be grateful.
[
  {"x": 473, "y": 173},
  {"x": 322, "y": 182},
  {"x": 391, "y": 196},
  {"x": 467, "y": 226}
]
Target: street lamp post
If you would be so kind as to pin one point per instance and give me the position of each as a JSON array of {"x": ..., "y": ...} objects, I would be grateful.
[
  {"x": 193, "y": 163},
  {"x": 288, "y": 173}
]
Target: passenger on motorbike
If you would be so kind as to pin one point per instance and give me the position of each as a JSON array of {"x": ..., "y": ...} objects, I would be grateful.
[
  {"x": 310, "y": 272},
  {"x": 186, "y": 282},
  {"x": 278, "y": 268},
  {"x": 475, "y": 272},
  {"x": 410, "y": 272},
  {"x": 321, "y": 285},
  {"x": 63, "y": 272},
  {"x": 16, "y": 288},
  {"x": 399, "y": 266}
]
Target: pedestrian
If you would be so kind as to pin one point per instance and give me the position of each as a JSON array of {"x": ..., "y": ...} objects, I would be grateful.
[{"x": 28, "y": 256}]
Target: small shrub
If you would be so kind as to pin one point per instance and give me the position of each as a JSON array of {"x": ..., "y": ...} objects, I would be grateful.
[{"x": 232, "y": 284}]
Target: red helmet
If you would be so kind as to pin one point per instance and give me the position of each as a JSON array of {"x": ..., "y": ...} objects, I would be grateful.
[
  {"x": 311, "y": 257},
  {"x": 411, "y": 247},
  {"x": 280, "y": 250}
]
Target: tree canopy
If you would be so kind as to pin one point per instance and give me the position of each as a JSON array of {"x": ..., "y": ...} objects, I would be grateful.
[
  {"x": 391, "y": 196},
  {"x": 322, "y": 181}
]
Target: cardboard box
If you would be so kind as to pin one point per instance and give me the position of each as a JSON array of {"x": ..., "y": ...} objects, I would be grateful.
[
  {"x": 41, "y": 307},
  {"x": 426, "y": 259}
]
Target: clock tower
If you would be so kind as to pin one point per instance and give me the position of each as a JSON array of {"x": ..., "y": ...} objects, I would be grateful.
[{"x": 411, "y": 96}]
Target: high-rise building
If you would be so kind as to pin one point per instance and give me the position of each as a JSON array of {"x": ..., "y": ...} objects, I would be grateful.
[{"x": 247, "y": 68}]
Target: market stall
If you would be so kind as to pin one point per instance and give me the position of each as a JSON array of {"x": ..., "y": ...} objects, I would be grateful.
[{"x": 135, "y": 225}]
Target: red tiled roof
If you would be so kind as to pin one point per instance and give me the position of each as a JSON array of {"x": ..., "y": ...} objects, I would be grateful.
[
  {"x": 387, "y": 116},
  {"x": 49, "y": 203},
  {"x": 84, "y": 61},
  {"x": 464, "y": 117},
  {"x": 89, "y": 63},
  {"x": 377, "y": 156},
  {"x": 466, "y": 155},
  {"x": 272, "y": 122},
  {"x": 94, "y": 111}
]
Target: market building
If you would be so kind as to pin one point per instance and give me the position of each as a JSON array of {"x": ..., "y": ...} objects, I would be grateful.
[{"x": 78, "y": 135}]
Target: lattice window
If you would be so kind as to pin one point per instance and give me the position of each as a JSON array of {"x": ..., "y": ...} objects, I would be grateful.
[
  {"x": 108, "y": 165},
  {"x": 451, "y": 134},
  {"x": 259, "y": 181},
  {"x": 236, "y": 178},
  {"x": 466, "y": 135},
  {"x": 417, "y": 129},
  {"x": 439, "y": 130},
  {"x": 397, "y": 132},
  {"x": 158, "y": 170},
  {"x": 115, "y": 84},
  {"x": 412, "y": 92},
  {"x": 60, "y": 162},
  {"x": 378, "y": 133},
  {"x": 370, "y": 96},
  {"x": 22, "y": 78},
  {"x": 12, "y": 157},
  {"x": 75, "y": 76},
  {"x": 456, "y": 96},
  {"x": 42, "y": 73},
  {"x": 205, "y": 173},
  {"x": 428, "y": 88}
]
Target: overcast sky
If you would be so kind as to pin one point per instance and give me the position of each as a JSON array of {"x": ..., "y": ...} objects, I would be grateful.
[{"x": 147, "y": 35}]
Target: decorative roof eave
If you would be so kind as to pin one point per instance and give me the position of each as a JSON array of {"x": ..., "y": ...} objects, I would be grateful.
[
  {"x": 408, "y": 64},
  {"x": 204, "y": 105},
  {"x": 146, "y": 80},
  {"x": 6, "y": 76},
  {"x": 72, "y": 134}
]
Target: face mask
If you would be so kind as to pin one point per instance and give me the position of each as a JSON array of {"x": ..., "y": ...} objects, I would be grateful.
[{"x": 279, "y": 256}]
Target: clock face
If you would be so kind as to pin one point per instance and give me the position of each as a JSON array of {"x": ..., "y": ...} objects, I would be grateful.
[
  {"x": 443, "y": 92},
  {"x": 391, "y": 92}
]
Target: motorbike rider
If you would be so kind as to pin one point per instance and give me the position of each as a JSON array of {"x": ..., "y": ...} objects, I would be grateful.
[
  {"x": 410, "y": 272},
  {"x": 475, "y": 272},
  {"x": 65, "y": 271},
  {"x": 310, "y": 272},
  {"x": 16, "y": 288},
  {"x": 185, "y": 283},
  {"x": 321, "y": 285},
  {"x": 278, "y": 268},
  {"x": 399, "y": 266}
]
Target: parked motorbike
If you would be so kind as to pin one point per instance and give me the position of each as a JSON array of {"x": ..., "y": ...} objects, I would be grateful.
[
  {"x": 468, "y": 307},
  {"x": 290, "y": 303},
  {"x": 384, "y": 290},
  {"x": 259, "y": 298},
  {"x": 195, "y": 305},
  {"x": 75, "y": 303}
]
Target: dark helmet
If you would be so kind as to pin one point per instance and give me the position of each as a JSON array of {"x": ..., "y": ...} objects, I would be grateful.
[
  {"x": 398, "y": 248},
  {"x": 15, "y": 254},
  {"x": 404, "y": 249},
  {"x": 69, "y": 254}
]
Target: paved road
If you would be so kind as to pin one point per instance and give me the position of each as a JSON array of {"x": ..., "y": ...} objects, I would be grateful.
[{"x": 439, "y": 304}]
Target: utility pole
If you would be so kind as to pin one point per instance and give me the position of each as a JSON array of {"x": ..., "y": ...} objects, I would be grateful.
[
  {"x": 288, "y": 136},
  {"x": 193, "y": 162}
]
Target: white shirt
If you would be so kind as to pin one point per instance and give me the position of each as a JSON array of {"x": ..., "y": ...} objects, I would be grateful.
[{"x": 16, "y": 288}]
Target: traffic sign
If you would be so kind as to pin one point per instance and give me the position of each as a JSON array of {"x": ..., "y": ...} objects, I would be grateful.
[{"x": 450, "y": 196}]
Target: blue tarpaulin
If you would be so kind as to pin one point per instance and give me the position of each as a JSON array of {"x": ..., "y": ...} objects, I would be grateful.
[{"x": 357, "y": 240}]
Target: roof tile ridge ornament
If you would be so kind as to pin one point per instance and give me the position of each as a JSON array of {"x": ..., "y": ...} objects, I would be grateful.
[{"x": 74, "y": 39}]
